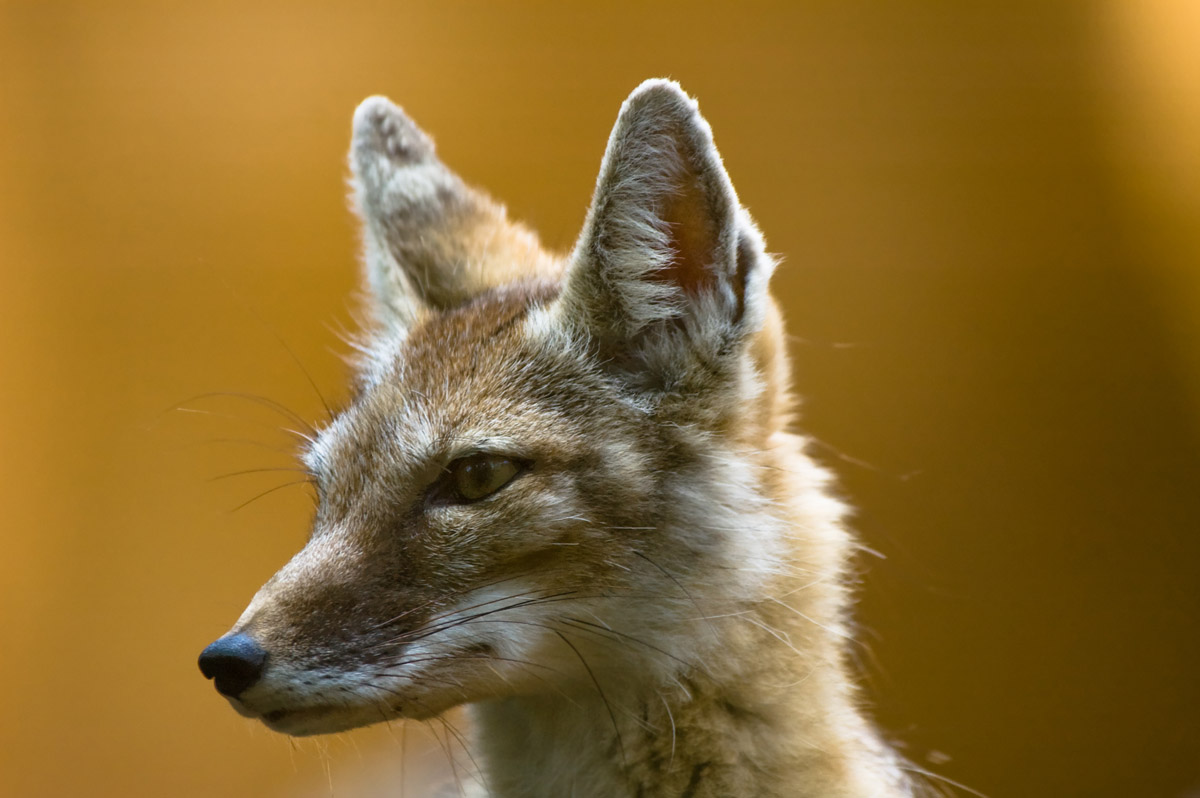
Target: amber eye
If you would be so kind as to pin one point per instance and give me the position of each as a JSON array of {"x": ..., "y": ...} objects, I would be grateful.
[{"x": 479, "y": 476}]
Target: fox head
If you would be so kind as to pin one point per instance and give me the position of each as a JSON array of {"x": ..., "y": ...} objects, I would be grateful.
[{"x": 547, "y": 461}]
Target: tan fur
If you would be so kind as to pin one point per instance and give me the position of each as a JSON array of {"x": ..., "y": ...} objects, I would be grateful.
[{"x": 656, "y": 604}]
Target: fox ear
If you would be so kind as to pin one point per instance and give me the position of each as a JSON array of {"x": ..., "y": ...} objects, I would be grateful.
[
  {"x": 430, "y": 240},
  {"x": 667, "y": 255}
]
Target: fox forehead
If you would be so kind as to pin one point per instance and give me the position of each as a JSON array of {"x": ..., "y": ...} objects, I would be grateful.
[{"x": 480, "y": 377}]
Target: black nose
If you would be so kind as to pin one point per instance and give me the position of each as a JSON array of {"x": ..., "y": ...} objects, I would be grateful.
[{"x": 233, "y": 663}]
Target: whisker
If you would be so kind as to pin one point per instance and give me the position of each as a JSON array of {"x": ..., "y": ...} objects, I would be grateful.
[
  {"x": 307, "y": 375},
  {"x": 197, "y": 411},
  {"x": 290, "y": 469},
  {"x": 466, "y": 748},
  {"x": 426, "y": 631},
  {"x": 679, "y": 585},
  {"x": 270, "y": 491},
  {"x": 599, "y": 691},
  {"x": 909, "y": 767},
  {"x": 448, "y": 596},
  {"x": 459, "y": 657},
  {"x": 261, "y": 401},
  {"x": 445, "y": 746},
  {"x": 631, "y": 638},
  {"x": 279, "y": 339}
]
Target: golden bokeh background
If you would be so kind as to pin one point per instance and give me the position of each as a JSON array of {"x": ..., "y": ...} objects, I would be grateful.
[{"x": 989, "y": 215}]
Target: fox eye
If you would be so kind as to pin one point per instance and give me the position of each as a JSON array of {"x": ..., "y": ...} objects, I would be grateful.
[{"x": 479, "y": 475}]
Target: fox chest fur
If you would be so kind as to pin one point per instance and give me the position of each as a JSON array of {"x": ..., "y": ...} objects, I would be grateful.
[{"x": 565, "y": 493}]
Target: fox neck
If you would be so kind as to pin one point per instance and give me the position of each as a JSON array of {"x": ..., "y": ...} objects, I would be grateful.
[
  {"x": 697, "y": 737},
  {"x": 771, "y": 713}
]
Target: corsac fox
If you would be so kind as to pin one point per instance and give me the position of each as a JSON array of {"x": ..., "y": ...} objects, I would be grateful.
[{"x": 565, "y": 492}]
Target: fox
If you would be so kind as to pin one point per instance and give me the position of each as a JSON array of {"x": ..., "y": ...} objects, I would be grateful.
[{"x": 567, "y": 493}]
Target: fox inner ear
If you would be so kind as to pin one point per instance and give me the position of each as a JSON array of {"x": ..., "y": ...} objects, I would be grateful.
[
  {"x": 666, "y": 243},
  {"x": 430, "y": 240}
]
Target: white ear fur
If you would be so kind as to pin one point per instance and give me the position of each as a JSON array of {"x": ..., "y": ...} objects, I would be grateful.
[
  {"x": 665, "y": 240},
  {"x": 430, "y": 240},
  {"x": 397, "y": 181}
]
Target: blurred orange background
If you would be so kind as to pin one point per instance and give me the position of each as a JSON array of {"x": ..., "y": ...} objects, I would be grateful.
[{"x": 989, "y": 215}]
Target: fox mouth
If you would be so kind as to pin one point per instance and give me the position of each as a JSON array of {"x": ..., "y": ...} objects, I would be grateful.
[
  {"x": 280, "y": 716},
  {"x": 321, "y": 719},
  {"x": 310, "y": 719},
  {"x": 299, "y": 722}
]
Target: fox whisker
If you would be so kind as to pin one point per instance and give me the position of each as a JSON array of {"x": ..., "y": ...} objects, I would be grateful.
[{"x": 269, "y": 491}]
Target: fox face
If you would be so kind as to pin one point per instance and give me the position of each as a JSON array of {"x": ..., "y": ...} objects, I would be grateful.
[{"x": 554, "y": 472}]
